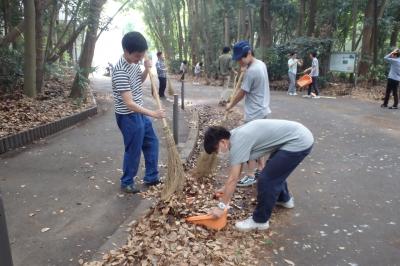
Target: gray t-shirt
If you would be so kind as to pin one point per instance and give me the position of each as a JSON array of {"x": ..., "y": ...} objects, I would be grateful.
[
  {"x": 259, "y": 137},
  {"x": 394, "y": 72},
  {"x": 314, "y": 68},
  {"x": 256, "y": 85}
]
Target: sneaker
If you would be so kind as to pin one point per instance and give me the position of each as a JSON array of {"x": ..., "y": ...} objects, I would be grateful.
[
  {"x": 393, "y": 107},
  {"x": 288, "y": 204},
  {"x": 247, "y": 181},
  {"x": 257, "y": 173},
  {"x": 249, "y": 224},
  {"x": 154, "y": 183},
  {"x": 294, "y": 94},
  {"x": 383, "y": 106},
  {"x": 130, "y": 189},
  {"x": 316, "y": 97}
]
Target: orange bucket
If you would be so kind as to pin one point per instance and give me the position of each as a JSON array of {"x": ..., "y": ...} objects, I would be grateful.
[
  {"x": 209, "y": 221},
  {"x": 304, "y": 80}
]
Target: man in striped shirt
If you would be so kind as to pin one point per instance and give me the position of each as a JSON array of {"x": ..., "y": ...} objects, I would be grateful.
[
  {"x": 132, "y": 118},
  {"x": 162, "y": 74}
]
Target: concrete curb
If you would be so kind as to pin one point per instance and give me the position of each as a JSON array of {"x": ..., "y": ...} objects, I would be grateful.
[
  {"x": 26, "y": 137},
  {"x": 187, "y": 149}
]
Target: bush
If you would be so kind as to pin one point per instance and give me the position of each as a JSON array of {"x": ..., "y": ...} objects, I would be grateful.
[
  {"x": 276, "y": 57},
  {"x": 10, "y": 68}
]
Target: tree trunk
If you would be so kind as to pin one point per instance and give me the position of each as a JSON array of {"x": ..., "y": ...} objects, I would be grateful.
[
  {"x": 30, "y": 49},
  {"x": 395, "y": 31},
  {"x": 52, "y": 24},
  {"x": 39, "y": 5},
  {"x": 226, "y": 29},
  {"x": 193, "y": 18},
  {"x": 302, "y": 13},
  {"x": 367, "y": 47},
  {"x": 265, "y": 26},
  {"x": 85, "y": 60},
  {"x": 311, "y": 17},
  {"x": 185, "y": 30},
  {"x": 354, "y": 26},
  {"x": 240, "y": 21}
]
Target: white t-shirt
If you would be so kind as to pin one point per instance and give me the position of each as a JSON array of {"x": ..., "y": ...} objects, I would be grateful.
[
  {"x": 197, "y": 68},
  {"x": 292, "y": 64}
]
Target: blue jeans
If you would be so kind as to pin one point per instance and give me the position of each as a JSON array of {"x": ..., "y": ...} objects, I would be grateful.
[
  {"x": 139, "y": 135},
  {"x": 272, "y": 185}
]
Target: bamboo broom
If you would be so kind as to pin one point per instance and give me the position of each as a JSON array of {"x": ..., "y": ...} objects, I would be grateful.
[
  {"x": 176, "y": 175},
  {"x": 207, "y": 162}
]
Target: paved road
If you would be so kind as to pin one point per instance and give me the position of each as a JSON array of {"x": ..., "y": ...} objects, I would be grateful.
[
  {"x": 69, "y": 183},
  {"x": 347, "y": 192}
]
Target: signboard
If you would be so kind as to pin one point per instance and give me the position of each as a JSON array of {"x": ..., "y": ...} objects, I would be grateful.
[{"x": 342, "y": 62}]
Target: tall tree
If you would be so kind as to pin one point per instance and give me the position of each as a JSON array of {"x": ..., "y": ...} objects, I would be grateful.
[
  {"x": 367, "y": 47},
  {"x": 302, "y": 13},
  {"x": 30, "y": 49},
  {"x": 39, "y": 7},
  {"x": 85, "y": 61},
  {"x": 311, "y": 17},
  {"x": 265, "y": 25}
]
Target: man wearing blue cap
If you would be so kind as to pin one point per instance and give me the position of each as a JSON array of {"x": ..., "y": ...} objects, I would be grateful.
[{"x": 255, "y": 90}]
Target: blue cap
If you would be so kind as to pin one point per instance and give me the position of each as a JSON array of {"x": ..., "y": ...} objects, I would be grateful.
[{"x": 240, "y": 49}]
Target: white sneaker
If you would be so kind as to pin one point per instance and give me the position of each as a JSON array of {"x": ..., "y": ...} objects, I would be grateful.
[
  {"x": 288, "y": 204},
  {"x": 294, "y": 93},
  {"x": 249, "y": 224}
]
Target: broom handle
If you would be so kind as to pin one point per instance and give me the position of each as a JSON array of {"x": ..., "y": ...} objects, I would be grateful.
[
  {"x": 155, "y": 93},
  {"x": 237, "y": 85}
]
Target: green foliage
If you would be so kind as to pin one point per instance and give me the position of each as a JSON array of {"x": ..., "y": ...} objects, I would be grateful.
[
  {"x": 10, "y": 67},
  {"x": 276, "y": 57}
]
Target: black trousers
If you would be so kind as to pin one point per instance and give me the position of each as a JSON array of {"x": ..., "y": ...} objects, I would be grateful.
[
  {"x": 163, "y": 85},
  {"x": 391, "y": 87},
  {"x": 313, "y": 86}
]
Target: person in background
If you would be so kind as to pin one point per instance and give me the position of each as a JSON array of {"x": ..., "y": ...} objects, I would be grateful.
[
  {"x": 132, "y": 118},
  {"x": 162, "y": 74},
  {"x": 292, "y": 64},
  {"x": 288, "y": 143},
  {"x": 393, "y": 58},
  {"x": 183, "y": 69},
  {"x": 197, "y": 72},
  {"x": 256, "y": 93},
  {"x": 314, "y": 73},
  {"x": 225, "y": 66}
]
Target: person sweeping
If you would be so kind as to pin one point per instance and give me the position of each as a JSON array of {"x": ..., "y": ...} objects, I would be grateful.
[
  {"x": 132, "y": 118},
  {"x": 288, "y": 142}
]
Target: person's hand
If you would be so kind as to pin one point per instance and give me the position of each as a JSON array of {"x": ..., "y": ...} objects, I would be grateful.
[
  {"x": 219, "y": 193},
  {"x": 229, "y": 107},
  {"x": 159, "y": 113},
  {"x": 217, "y": 212},
  {"x": 147, "y": 64}
]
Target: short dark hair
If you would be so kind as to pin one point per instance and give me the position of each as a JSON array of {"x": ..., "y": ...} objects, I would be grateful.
[
  {"x": 314, "y": 54},
  {"x": 201, "y": 64},
  {"x": 134, "y": 42},
  {"x": 292, "y": 53},
  {"x": 212, "y": 137},
  {"x": 184, "y": 62},
  {"x": 159, "y": 54},
  {"x": 226, "y": 49},
  {"x": 245, "y": 54}
]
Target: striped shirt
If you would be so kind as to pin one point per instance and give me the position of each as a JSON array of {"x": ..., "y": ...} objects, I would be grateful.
[
  {"x": 126, "y": 77},
  {"x": 161, "y": 69}
]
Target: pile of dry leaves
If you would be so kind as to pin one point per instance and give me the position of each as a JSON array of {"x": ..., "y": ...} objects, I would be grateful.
[
  {"x": 163, "y": 237},
  {"x": 19, "y": 113}
]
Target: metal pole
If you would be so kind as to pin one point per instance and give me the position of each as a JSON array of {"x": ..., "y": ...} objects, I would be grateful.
[
  {"x": 175, "y": 118},
  {"x": 5, "y": 250},
  {"x": 183, "y": 95}
]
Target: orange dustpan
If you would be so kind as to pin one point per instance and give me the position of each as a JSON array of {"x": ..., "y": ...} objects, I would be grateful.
[
  {"x": 304, "y": 80},
  {"x": 209, "y": 221}
]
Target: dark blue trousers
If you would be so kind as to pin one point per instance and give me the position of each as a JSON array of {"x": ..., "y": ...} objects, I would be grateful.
[
  {"x": 138, "y": 133},
  {"x": 272, "y": 185}
]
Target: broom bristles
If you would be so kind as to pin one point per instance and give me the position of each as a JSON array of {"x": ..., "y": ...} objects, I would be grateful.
[
  {"x": 206, "y": 164},
  {"x": 176, "y": 175}
]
